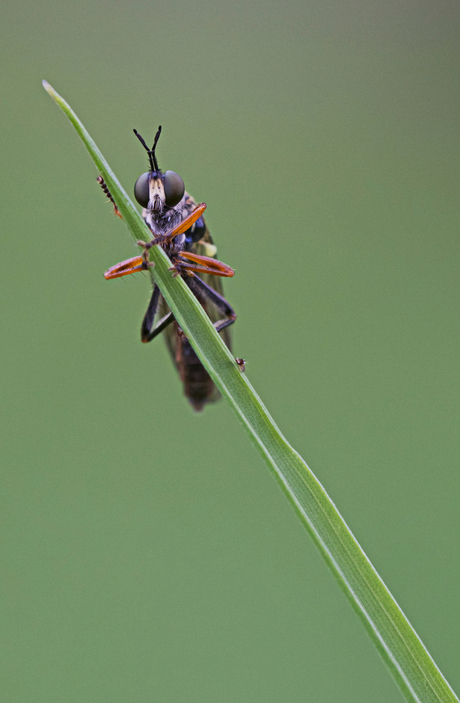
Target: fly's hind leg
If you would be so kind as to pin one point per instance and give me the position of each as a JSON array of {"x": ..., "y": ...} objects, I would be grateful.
[
  {"x": 147, "y": 334},
  {"x": 204, "y": 292}
]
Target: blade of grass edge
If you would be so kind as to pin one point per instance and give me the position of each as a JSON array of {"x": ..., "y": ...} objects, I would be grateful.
[{"x": 412, "y": 667}]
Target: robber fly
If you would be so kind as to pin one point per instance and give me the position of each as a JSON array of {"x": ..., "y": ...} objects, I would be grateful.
[{"x": 177, "y": 225}]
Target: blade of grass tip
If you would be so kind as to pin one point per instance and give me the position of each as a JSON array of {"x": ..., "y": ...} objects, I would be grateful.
[{"x": 409, "y": 662}]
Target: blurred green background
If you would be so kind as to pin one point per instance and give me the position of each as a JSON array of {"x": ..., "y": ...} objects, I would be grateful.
[{"x": 147, "y": 553}]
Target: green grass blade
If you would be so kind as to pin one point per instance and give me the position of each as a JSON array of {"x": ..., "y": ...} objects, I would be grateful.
[{"x": 408, "y": 660}]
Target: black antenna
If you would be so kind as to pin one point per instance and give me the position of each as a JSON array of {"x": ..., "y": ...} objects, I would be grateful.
[{"x": 150, "y": 152}]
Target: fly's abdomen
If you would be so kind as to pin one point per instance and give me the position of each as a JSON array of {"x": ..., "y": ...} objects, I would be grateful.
[{"x": 198, "y": 385}]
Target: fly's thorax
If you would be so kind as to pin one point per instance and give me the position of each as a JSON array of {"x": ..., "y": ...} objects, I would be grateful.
[{"x": 161, "y": 222}]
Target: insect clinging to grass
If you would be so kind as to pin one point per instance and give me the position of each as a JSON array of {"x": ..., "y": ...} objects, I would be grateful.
[{"x": 177, "y": 224}]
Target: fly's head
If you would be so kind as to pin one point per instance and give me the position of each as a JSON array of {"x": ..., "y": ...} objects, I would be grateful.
[{"x": 159, "y": 193}]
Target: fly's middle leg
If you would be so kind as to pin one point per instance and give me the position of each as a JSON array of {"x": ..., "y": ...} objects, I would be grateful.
[{"x": 147, "y": 333}]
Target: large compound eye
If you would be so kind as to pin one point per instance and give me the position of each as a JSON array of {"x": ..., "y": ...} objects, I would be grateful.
[
  {"x": 141, "y": 189},
  {"x": 174, "y": 188}
]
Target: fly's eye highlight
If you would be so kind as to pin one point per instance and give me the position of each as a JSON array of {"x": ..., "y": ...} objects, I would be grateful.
[
  {"x": 141, "y": 189},
  {"x": 174, "y": 188}
]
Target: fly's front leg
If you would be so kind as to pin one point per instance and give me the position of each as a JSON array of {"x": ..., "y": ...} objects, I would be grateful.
[
  {"x": 146, "y": 263},
  {"x": 147, "y": 246},
  {"x": 147, "y": 334}
]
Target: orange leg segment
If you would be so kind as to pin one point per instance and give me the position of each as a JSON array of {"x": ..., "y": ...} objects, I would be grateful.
[
  {"x": 188, "y": 222},
  {"x": 205, "y": 265},
  {"x": 124, "y": 268}
]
